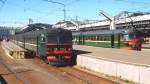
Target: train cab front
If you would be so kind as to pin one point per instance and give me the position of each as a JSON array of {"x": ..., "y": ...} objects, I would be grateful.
[{"x": 59, "y": 54}]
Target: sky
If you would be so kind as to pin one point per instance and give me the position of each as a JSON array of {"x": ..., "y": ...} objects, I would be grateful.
[{"x": 18, "y": 12}]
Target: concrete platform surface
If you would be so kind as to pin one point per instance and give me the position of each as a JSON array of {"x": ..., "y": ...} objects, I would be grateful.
[
  {"x": 117, "y": 55},
  {"x": 11, "y": 46},
  {"x": 129, "y": 65}
]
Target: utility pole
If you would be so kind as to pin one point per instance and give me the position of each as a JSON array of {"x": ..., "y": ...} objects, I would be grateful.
[
  {"x": 112, "y": 25},
  {"x": 110, "y": 18},
  {"x": 64, "y": 10},
  {"x": 30, "y": 21}
]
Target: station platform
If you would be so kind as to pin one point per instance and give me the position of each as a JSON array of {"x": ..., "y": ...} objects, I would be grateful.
[
  {"x": 13, "y": 50},
  {"x": 123, "y": 64},
  {"x": 118, "y": 55}
]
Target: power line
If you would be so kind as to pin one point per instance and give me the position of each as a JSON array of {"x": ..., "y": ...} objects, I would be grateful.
[
  {"x": 63, "y": 4},
  {"x": 3, "y": 1},
  {"x": 43, "y": 14},
  {"x": 55, "y": 2},
  {"x": 138, "y": 8},
  {"x": 72, "y": 2},
  {"x": 28, "y": 9},
  {"x": 135, "y": 2},
  {"x": 140, "y": 4},
  {"x": 69, "y": 3}
]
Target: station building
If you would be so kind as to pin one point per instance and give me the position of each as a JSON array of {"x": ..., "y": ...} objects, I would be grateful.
[
  {"x": 6, "y": 32},
  {"x": 124, "y": 23}
]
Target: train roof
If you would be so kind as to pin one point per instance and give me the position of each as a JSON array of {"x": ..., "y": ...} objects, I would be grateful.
[
  {"x": 36, "y": 26},
  {"x": 58, "y": 30}
]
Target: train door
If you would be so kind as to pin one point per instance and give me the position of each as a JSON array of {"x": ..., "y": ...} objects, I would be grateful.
[{"x": 41, "y": 48}]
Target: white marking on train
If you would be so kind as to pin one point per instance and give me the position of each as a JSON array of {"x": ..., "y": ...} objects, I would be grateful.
[{"x": 27, "y": 43}]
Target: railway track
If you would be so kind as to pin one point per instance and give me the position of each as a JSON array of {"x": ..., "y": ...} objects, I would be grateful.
[
  {"x": 16, "y": 73},
  {"x": 8, "y": 64},
  {"x": 84, "y": 76},
  {"x": 26, "y": 71},
  {"x": 77, "y": 74}
]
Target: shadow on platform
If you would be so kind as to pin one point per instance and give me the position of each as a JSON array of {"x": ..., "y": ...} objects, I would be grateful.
[
  {"x": 78, "y": 52},
  {"x": 145, "y": 47},
  {"x": 30, "y": 54},
  {"x": 75, "y": 54}
]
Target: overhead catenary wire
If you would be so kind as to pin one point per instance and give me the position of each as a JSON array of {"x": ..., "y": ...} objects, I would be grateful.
[
  {"x": 135, "y": 2},
  {"x": 3, "y": 3},
  {"x": 138, "y": 4},
  {"x": 62, "y": 4},
  {"x": 42, "y": 13},
  {"x": 32, "y": 10},
  {"x": 17, "y": 5},
  {"x": 27, "y": 9},
  {"x": 66, "y": 4},
  {"x": 72, "y": 2}
]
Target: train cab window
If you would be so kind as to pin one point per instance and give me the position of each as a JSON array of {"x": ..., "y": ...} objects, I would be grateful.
[{"x": 43, "y": 38}]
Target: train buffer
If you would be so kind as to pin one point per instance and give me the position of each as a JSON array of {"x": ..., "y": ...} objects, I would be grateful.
[{"x": 13, "y": 50}]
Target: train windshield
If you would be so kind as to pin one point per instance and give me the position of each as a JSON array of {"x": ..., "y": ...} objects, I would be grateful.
[
  {"x": 52, "y": 38},
  {"x": 134, "y": 35},
  {"x": 59, "y": 39},
  {"x": 65, "y": 38}
]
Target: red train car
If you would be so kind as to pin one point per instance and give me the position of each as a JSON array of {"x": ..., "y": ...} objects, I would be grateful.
[{"x": 134, "y": 39}]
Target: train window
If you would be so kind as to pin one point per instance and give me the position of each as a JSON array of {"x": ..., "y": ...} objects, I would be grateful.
[
  {"x": 65, "y": 38},
  {"x": 52, "y": 38}
]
